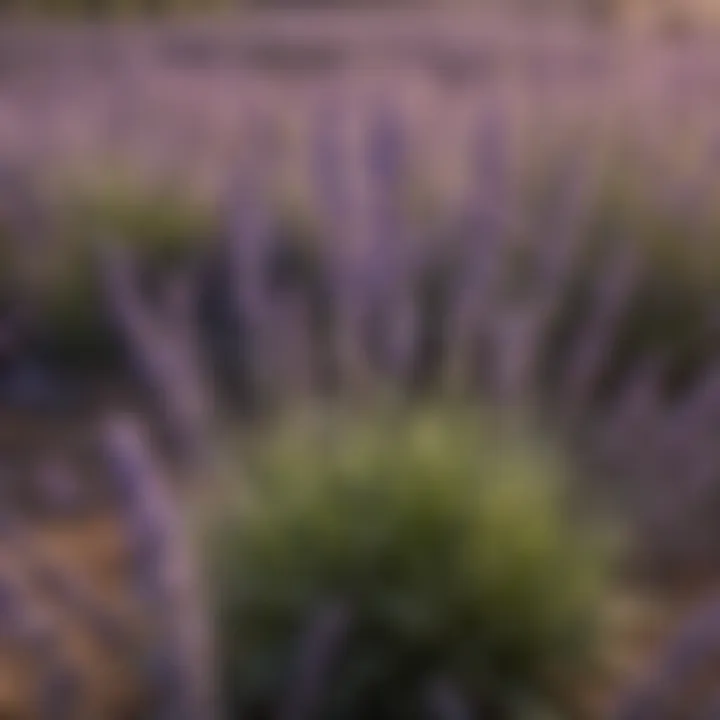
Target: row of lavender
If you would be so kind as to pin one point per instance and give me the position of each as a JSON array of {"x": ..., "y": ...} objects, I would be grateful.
[
  {"x": 579, "y": 287},
  {"x": 478, "y": 257}
]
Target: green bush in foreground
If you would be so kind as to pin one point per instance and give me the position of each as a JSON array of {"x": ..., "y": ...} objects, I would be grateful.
[{"x": 449, "y": 546}]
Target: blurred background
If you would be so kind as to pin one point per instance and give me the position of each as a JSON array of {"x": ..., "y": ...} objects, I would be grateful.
[{"x": 359, "y": 360}]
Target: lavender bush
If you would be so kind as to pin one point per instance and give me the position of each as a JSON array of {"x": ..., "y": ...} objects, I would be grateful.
[
  {"x": 545, "y": 288},
  {"x": 386, "y": 565}
]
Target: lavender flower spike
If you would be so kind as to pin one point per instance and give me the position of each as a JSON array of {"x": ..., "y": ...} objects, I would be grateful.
[{"x": 179, "y": 657}]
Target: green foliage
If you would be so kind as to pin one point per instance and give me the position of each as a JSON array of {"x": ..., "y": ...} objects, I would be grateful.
[
  {"x": 672, "y": 238},
  {"x": 164, "y": 229},
  {"x": 450, "y": 544}
]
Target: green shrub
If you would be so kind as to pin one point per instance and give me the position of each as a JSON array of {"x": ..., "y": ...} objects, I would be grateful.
[{"x": 451, "y": 547}]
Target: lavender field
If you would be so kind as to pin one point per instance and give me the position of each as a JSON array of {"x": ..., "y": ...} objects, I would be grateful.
[{"x": 359, "y": 366}]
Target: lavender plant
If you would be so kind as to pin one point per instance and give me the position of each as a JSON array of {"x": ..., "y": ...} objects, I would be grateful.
[
  {"x": 161, "y": 228},
  {"x": 178, "y": 660},
  {"x": 164, "y": 349},
  {"x": 552, "y": 294},
  {"x": 373, "y": 566},
  {"x": 154, "y": 629}
]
